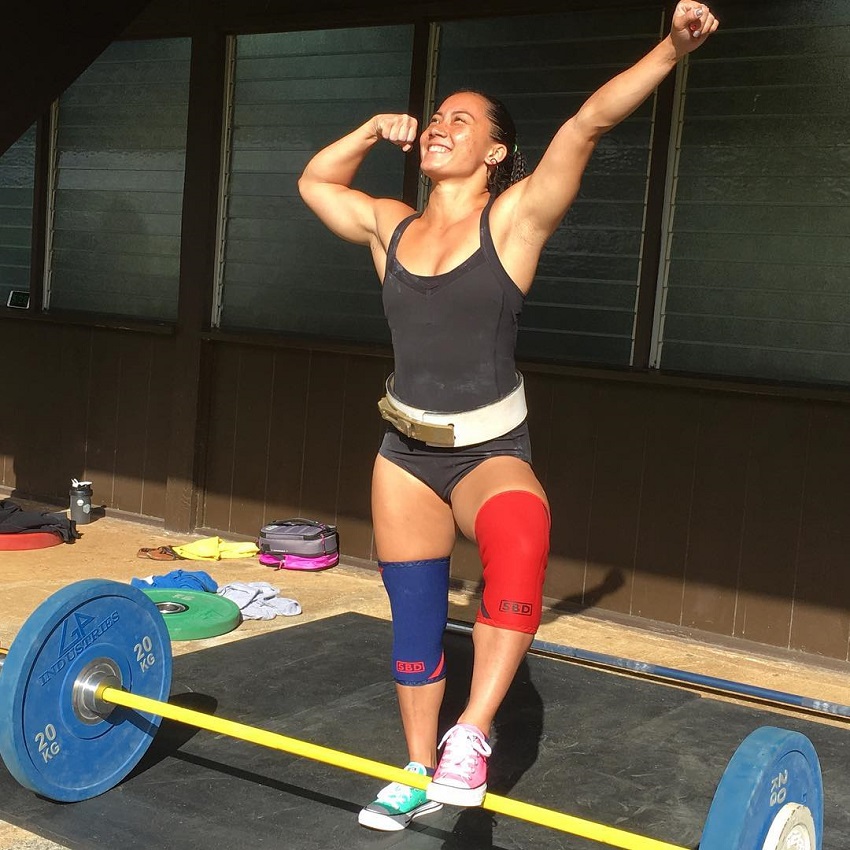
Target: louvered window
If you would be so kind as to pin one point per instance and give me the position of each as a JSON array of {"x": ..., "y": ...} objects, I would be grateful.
[
  {"x": 292, "y": 94},
  {"x": 582, "y": 305},
  {"x": 118, "y": 166},
  {"x": 757, "y": 278},
  {"x": 17, "y": 174}
]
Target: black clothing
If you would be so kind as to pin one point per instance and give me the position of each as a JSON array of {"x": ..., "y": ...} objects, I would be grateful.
[
  {"x": 453, "y": 334},
  {"x": 442, "y": 467},
  {"x": 14, "y": 519}
]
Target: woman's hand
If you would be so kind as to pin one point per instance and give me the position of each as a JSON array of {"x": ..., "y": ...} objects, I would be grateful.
[
  {"x": 401, "y": 130},
  {"x": 693, "y": 23}
]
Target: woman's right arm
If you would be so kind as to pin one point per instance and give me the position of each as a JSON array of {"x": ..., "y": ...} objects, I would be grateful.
[{"x": 325, "y": 184}]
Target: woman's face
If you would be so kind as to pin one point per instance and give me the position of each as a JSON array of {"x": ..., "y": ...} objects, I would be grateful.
[{"x": 457, "y": 142}]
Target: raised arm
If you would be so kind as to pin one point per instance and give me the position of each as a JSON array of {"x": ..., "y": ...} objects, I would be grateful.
[
  {"x": 325, "y": 184},
  {"x": 540, "y": 201}
]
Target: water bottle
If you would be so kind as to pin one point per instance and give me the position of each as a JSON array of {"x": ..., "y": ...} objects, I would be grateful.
[{"x": 81, "y": 494}]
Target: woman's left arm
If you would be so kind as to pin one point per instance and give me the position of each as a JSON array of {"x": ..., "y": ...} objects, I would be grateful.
[{"x": 541, "y": 200}]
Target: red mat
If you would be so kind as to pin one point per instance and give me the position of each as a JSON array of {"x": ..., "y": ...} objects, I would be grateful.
[{"x": 29, "y": 540}]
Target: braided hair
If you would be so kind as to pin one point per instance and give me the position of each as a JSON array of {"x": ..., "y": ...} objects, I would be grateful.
[{"x": 514, "y": 166}]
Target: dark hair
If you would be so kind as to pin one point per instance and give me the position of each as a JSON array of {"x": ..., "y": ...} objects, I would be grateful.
[{"x": 513, "y": 167}]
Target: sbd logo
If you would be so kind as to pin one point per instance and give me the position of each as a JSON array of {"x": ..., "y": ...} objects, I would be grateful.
[
  {"x": 508, "y": 606},
  {"x": 410, "y": 666}
]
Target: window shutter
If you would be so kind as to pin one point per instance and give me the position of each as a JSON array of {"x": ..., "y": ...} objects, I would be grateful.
[
  {"x": 294, "y": 93},
  {"x": 17, "y": 175},
  {"x": 118, "y": 168},
  {"x": 757, "y": 278},
  {"x": 582, "y": 305}
]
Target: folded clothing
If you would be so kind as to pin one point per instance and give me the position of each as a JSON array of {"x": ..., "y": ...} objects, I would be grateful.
[
  {"x": 258, "y": 600},
  {"x": 215, "y": 549},
  {"x": 182, "y": 579}
]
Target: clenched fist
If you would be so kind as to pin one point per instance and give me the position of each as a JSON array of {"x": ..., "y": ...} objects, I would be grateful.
[
  {"x": 399, "y": 129},
  {"x": 693, "y": 23}
]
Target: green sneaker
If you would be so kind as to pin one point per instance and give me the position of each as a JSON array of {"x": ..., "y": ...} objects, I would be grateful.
[{"x": 397, "y": 805}]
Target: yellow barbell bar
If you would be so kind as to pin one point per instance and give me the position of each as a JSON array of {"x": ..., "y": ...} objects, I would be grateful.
[{"x": 600, "y": 833}]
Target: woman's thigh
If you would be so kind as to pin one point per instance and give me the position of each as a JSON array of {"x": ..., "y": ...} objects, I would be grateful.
[
  {"x": 495, "y": 475},
  {"x": 411, "y": 521}
]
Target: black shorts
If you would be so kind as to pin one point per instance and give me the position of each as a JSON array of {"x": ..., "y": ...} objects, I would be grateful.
[{"x": 440, "y": 467}]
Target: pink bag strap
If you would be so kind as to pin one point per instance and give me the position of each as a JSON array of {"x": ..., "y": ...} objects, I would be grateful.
[{"x": 299, "y": 562}]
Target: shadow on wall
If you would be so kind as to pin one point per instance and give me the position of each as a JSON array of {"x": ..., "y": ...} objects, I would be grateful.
[
  {"x": 45, "y": 438},
  {"x": 568, "y": 606},
  {"x": 85, "y": 513},
  {"x": 591, "y": 598},
  {"x": 26, "y": 491}
]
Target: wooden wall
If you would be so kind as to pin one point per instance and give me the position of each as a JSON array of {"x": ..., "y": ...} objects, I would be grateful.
[
  {"x": 706, "y": 508},
  {"x": 87, "y": 403}
]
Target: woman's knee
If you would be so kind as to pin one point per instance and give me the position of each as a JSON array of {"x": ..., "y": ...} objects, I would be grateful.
[
  {"x": 419, "y": 598},
  {"x": 496, "y": 475},
  {"x": 512, "y": 532}
]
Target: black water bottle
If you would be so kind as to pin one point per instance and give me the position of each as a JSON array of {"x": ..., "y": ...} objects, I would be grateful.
[{"x": 81, "y": 494}]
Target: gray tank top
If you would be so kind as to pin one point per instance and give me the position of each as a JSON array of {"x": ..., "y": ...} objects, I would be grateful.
[{"x": 453, "y": 334}]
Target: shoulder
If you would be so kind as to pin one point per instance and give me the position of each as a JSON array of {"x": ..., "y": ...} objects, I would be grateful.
[{"x": 389, "y": 213}]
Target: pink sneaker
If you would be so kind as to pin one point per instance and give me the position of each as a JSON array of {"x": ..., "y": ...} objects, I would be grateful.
[{"x": 461, "y": 776}]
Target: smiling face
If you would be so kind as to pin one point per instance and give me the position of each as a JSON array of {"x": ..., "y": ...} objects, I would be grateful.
[{"x": 458, "y": 142}]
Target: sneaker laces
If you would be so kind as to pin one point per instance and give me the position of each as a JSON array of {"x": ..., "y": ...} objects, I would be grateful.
[
  {"x": 397, "y": 794},
  {"x": 394, "y": 795},
  {"x": 462, "y": 748}
]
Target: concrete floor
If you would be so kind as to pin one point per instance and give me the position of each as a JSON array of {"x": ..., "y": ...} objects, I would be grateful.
[{"x": 108, "y": 549}]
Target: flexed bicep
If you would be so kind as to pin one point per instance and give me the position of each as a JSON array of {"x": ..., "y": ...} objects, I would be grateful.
[{"x": 325, "y": 184}]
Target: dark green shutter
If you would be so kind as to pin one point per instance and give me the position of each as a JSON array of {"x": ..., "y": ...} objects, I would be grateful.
[
  {"x": 582, "y": 305},
  {"x": 17, "y": 174},
  {"x": 119, "y": 160},
  {"x": 758, "y": 277},
  {"x": 293, "y": 94}
]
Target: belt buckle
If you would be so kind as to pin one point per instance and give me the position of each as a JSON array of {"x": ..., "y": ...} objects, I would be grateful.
[{"x": 425, "y": 432}]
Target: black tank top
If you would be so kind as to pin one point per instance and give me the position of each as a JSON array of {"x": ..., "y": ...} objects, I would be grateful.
[{"x": 454, "y": 334}]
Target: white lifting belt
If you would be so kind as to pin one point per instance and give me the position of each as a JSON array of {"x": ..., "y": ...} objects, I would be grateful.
[{"x": 461, "y": 428}]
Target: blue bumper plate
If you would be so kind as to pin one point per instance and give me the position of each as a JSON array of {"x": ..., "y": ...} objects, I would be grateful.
[
  {"x": 770, "y": 770},
  {"x": 46, "y": 743}
]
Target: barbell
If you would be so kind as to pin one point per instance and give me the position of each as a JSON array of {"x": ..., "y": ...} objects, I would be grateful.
[{"x": 83, "y": 691}]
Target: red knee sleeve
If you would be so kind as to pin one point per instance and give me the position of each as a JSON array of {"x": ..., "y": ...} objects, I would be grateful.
[{"x": 512, "y": 531}]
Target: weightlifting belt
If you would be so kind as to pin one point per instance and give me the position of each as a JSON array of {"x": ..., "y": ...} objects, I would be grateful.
[{"x": 461, "y": 428}]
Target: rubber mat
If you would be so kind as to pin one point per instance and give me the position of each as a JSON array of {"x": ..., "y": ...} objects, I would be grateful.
[{"x": 614, "y": 749}]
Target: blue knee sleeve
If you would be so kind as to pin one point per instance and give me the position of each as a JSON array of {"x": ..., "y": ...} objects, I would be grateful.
[{"x": 419, "y": 599}]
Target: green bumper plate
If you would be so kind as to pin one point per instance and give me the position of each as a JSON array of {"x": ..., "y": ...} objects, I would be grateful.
[{"x": 195, "y": 614}]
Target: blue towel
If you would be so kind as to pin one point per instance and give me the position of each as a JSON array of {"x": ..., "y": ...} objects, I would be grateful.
[{"x": 182, "y": 579}]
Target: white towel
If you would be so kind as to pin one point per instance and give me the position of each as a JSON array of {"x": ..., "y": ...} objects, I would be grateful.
[{"x": 258, "y": 600}]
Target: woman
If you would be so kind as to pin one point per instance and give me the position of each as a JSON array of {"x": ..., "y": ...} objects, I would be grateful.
[{"x": 457, "y": 449}]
